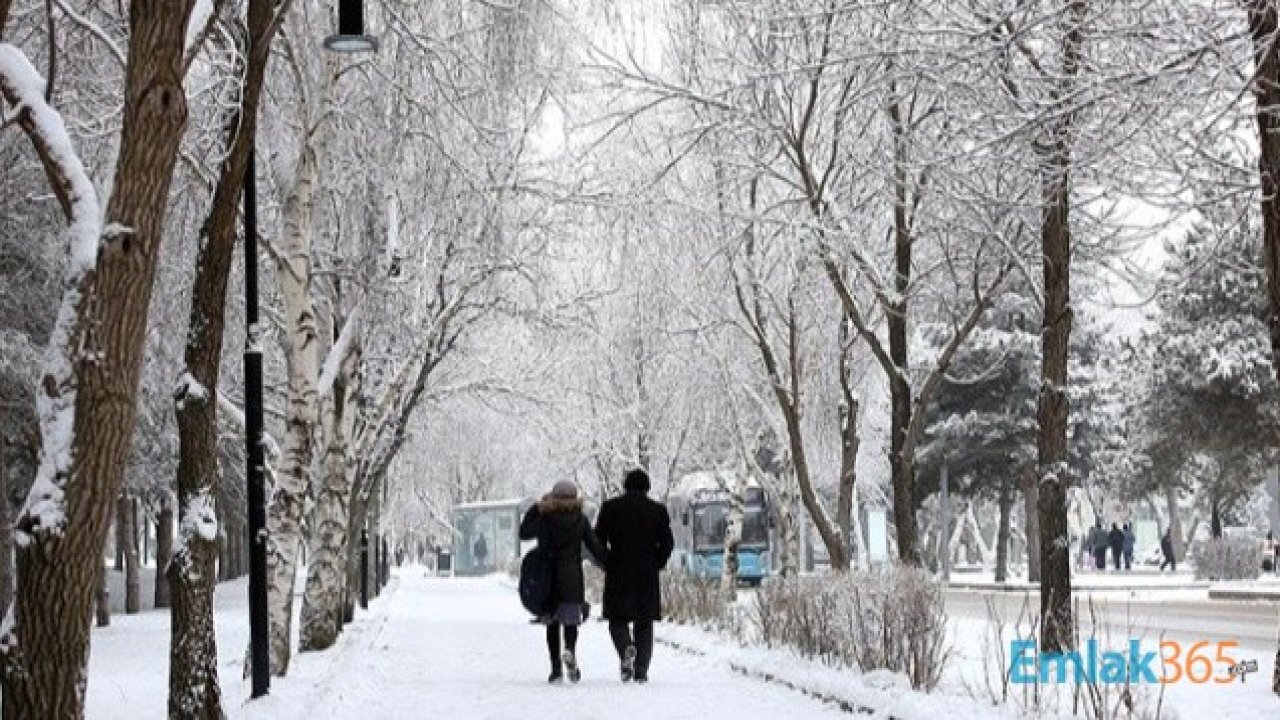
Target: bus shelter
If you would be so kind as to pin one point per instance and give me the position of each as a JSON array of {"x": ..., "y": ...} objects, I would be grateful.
[{"x": 486, "y": 535}]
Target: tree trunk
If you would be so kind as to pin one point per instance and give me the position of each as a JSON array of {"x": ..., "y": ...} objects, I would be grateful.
[
  {"x": 144, "y": 529},
  {"x": 1215, "y": 518},
  {"x": 122, "y": 541},
  {"x": 102, "y": 600},
  {"x": 194, "y": 691},
  {"x": 1175, "y": 521},
  {"x": 1002, "y": 534},
  {"x": 132, "y": 565},
  {"x": 164, "y": 548},
  {"x": 732, "y": 541},
  {"x": 1053, "y": 150},
  {"x": 848, "y": 479},
  {"x": 330, "y": 537},
  {"x": 103, "y": 317},
  {"x": 1264, "y": 22},
  {"x": 901, "y": 456},
  {"x": 355, "y": 525},
  {"x": 902, "y": 469},
  {"x": 6, "y": 534},
  {"x": 373, "y": 518},
  {"x": 1030, "y": 506},
  {"x": 224, "y": 554},
  {"x": 284, "y": 522},
  {"x": 849, "y": 442},
  {"x": 789, "y": 525}
]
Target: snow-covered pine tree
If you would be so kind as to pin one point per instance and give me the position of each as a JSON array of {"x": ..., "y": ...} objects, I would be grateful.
[{"x": 1213, "y": 389}]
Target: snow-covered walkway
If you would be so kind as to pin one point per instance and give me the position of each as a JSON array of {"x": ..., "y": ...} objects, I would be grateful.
[{"x": 463, "y": 648}]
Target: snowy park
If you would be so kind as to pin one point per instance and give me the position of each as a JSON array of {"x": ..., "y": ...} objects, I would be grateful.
[{"x": 655, "y": 358}]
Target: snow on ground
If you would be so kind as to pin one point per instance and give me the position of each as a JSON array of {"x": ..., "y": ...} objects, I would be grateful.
[
  {"x": 463, "y": 648},
  {"x": 454, "y": 647},
  {"x": 444, "y": 647}
]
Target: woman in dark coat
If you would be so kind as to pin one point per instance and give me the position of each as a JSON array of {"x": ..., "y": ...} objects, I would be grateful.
[
  {"x": 637, "y": 533},
  {"x": 559, "y": 526}
]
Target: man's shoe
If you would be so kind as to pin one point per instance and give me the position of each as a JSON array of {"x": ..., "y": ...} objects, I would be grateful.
[
  {"x": 571, "y": 666},
  {"x": 555, "y": 677},
  {"x": 628, "y": 663}
]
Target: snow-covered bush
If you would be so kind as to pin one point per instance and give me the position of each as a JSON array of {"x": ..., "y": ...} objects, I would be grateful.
[
  {"x": 891, "y": 619},
  {"x": 692, "y": 600},
  {"x": 1227, "y": 558}
]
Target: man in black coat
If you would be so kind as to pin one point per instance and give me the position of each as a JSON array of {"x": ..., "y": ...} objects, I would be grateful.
[
  {"x": 637, "y": 533},
  {"x": 1116, "y": 538}
]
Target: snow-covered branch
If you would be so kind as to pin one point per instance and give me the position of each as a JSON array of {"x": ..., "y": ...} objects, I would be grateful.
[{"x": 23, "y": 88}]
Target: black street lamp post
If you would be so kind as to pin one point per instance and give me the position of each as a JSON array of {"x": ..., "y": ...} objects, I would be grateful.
[{"x": 259, "y": 647}]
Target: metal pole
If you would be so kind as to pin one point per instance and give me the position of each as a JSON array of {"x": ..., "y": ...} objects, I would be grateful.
[
  {"x": 944, "y": 525},
  {"x": 259, "y": 648},
  {"x": 364, "y": 569}
]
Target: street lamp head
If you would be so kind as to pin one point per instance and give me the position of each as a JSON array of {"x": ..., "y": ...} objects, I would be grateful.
[
  {"x": 350, "y": 37},
  {"x": 351, "y": 44}
]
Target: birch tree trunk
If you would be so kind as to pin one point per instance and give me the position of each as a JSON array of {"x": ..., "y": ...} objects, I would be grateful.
[
  {"x": 732, "y": 541},
  {"x": 87, "y": 397},
  {"x": 293, "y": 482},
  {"x": 330, "y": 540},
  {"x": 789, "y": 527}
]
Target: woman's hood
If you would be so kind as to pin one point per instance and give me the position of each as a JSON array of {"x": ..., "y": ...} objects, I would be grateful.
[{"x": 550, "y": 505}]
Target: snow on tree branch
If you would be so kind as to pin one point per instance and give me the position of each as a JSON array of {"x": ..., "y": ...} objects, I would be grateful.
[
  {"x": 338, "y": 353},
  {"x": 23, "y": 87}
]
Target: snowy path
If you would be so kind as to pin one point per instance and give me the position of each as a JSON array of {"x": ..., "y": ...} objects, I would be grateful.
[{"x": 463, "y": 648}]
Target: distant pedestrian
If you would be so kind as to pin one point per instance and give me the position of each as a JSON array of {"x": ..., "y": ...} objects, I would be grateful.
[
  {"x": 480, "y": 551},
  {"x": 1116, "y": 540},
  {"x": 557, "y": 523},
  {"x": 1130, "y": 540},
  {"x": 1166, "y": 549},
  {"x": 1097, "y": 542},
  {"x": 637, "y": 533}
]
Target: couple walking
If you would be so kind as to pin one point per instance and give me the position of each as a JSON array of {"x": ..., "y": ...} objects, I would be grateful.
[{"x": 632, "y": 541}]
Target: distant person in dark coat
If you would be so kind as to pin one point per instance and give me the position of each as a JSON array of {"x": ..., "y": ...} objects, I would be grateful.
[
  {"x": 1130, "y": 540},
  {"x": 559, "y": 526},
  {"x": 1097, "y": 540},
  {"x": 481, "y": 552},
  {"x": 1166, "y": 549},
  {"x": 1116, "y": 538},
  {"x": 637, "y": 533}
]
